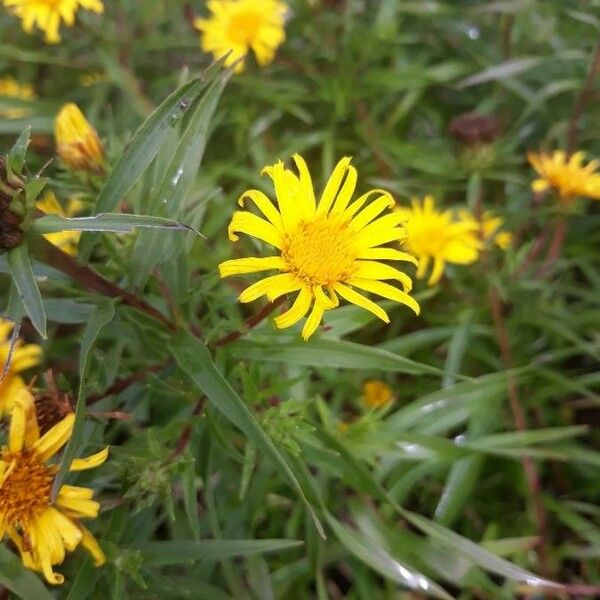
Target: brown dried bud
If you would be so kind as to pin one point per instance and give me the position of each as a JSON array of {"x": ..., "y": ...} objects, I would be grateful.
[
  {"x": 51, "y": 405},
  {"x": 474, "y": 128}
]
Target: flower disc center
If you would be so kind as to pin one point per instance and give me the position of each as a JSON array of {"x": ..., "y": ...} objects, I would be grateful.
[
  {"x": 320, "y": 252},
  {"x": 25, "y": 491}
]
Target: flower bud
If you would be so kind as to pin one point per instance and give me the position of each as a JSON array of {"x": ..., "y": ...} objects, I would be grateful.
[{"x": 77, "y": 141}]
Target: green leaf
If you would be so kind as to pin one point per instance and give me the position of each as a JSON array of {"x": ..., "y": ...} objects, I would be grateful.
[
  {"x": 479, "y": 555},
  {"x": 327, "y": 353},
  {"x": 146, "y": 142},
  {"x": 19, "y": 580},
  {"x": 116, "y": 222},
  {"x": 178, "y": 179},
  {"x": 378, "y": 558},
  {"x": 20, "y": 266},
  {"x": 103, "y": 315},
  {"x": 176, "y": 552},
  {"x": 195, "y": 360},
  {"x": 16, "y": 156}
]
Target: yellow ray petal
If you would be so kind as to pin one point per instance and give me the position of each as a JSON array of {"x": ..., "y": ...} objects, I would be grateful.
[
  {"x": 436, "y": 272},
  {"x": 345, "y": 195},
  {"x": 52, "y": 441},
  {"x": 307, "y": 190},
  {"x": 267, "y": 286},
  {"x": 242, "y": 266},
  {"x": 298, "y": 310},
  {"x": 25, "y": 357},
  {"x": 386, "y": 291},
  {"x": 313, "y": 321},
  {"x": 95, "y": 460},
  {"x": 88, "y": 541},
  {"x": 250, "y": 224},
  {"x": 333, "y": 185},
  {"x": 266, "y": 207},
  {"x": 78, "y": 507},
  {"x": 286, "y": 198},
  {"x": 375, "y": 270},
  {"x": 360, "y": 201},
  {"x": 69, "y": 532},
  {"x": 373, "y": 210},
  {"x": 353, "y": 296},
  {"x": 387, "y": 254}
]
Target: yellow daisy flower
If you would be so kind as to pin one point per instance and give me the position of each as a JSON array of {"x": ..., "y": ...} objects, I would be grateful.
[
  {"x": 326, "y": 249},
  {"x": 66, "y": 240},
  {"x": 489, "y": 227},
  {"x": 433, "y": 235},
  {"x": 24, "y": 357},
  {"x": 566, "y": 175},
  {"x": 43, "y": 529},
  {"x": 11, "y": 88},
  {"x": 47, "y": 15},
  {"x": 77, "y": 142},
  {"x": 238, "y": 26},
  {"x": 377, "y": 394}
]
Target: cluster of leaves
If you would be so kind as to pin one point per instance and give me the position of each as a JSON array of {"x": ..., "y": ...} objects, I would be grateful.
[{"x": 231, "y": 474}]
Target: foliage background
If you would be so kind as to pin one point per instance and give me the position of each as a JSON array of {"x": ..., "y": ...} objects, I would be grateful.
[{"x": 378, "y": 80}]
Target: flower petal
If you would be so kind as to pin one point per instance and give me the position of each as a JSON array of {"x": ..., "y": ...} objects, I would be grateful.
[
  {"x": 313, "y": 321},
  {"x": 90, "y": 462},
  {"x": 242, "y": 266},
  {"x": 355, "y": 298},
  {"x": 333, "y": 185},
  {"x": 386, "y": 291},
  {"x": 298, "y": 309},
  {"x": 250, "y": 224},
  {"x": 52, "y": 441}
]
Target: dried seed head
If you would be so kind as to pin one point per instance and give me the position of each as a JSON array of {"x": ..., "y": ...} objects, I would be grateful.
[{"x": 474, "y": 128}]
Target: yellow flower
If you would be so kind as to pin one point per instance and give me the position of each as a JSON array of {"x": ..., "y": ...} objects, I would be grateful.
[
  {"x": 41, "y": 528},
  {"x": 47, "y": 15},
  {"x": 325, "y": 249},
  {"x": 24, "y": 357},
  {"x": 566, "y": 175},
  {"x": 433, "y": 235},
  {"x": 93, "y": 78},
  {"x": 489, "y": 228},
  {"x": 11, "y": 88},
  {"x": 66, "y": 240},
  {"x": 77, "y": 142},
  {"x": 238, "y": 26},
  {"x": 377, "y": 394}
]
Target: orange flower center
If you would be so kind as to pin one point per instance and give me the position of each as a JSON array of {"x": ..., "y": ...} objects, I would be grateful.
[
  {"x": 25, "y": 491},
  {"x": 320, "y": 252}
]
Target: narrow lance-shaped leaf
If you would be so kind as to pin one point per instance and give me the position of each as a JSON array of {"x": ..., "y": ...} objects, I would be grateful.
[
  {"x": 115, "y": 222},
  {"x": 145, "y": 144},
  {"x": 19, "y": 580},
  {"x": 103, "y": 314},
  {"x": 195, "y": 360},
  {"x": 182, "y": 551},
  {"x": 20, "y": 267}
]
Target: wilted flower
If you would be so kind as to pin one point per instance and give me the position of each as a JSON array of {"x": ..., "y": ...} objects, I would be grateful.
[
  {"x": 238, "y": 26},
  {"x": 433, "y": 235},
  {"x": 41, "y": 528},
  {"x": 47, "y": 15},
  {"x": 24, "y": 357},
  {"x": 325, "y": 249},
  {"x": 377, "y": 394},
  {"x": 77, "y": 141},
  {"x": 565, "y": 174},
  {"x": 11, "y": 88},
  {"x": 66, "y": 240},
  {"x": 474, "y": 128}
]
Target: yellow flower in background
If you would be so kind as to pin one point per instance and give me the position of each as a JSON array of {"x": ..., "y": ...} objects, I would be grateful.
[
  {"x": 325, "y": 249},
  {"x": 377, "y": 394},
  {"x": 489, "y": 228},
  {"x": 43, "y": 530},
  {"x": 93, "y": 78},
  {"x": 566, "y": 175},
  {"x": 238, "y": 26},
  {"x": 433, "y": 235},
  {"x": 67, "y": 241},
  {"x": 77, "y": 142},
  {"x": 11, "y": 88},
  {"x": 24, "y": 357},
  {"x": 47, "y": 15}
]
